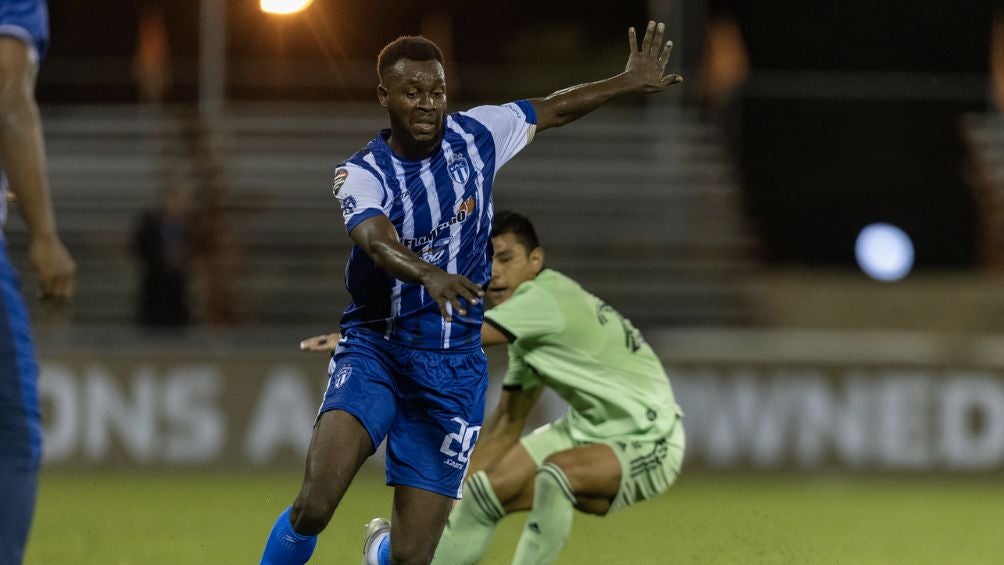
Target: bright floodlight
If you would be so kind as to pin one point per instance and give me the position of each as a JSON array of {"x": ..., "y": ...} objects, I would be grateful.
[
  {"x": 884, "y": 252},
  {"x": 284, "y": 6}
]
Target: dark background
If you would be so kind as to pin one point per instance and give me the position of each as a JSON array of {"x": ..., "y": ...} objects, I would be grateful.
[{"x": 850, "y": 116}]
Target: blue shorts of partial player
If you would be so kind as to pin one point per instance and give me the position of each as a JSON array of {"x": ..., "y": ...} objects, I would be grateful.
[
  {"x": 20, "y": 423},
  {"x": 429, "y": 405},
  {"x": 27, "y": 20}
]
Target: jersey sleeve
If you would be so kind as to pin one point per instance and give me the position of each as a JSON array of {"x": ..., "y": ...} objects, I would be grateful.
[
  {"x": 530, "y": 313},
  {"x": 518, "y": 375},
  {"x": 359, "y": 193},
  {"x": 512, "y": 126}
]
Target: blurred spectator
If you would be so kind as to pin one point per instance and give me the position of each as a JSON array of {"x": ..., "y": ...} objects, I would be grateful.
[{"x": 162, "y": 243}]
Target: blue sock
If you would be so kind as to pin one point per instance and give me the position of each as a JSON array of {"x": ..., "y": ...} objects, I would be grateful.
[
  {"x": 383, "y": 551},
  {"x": 285, "y": 546}
]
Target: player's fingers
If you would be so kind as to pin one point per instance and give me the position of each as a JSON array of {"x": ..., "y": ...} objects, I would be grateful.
[
  {"x": 443, "y": 310},
  {"x": 664, "y": 57},
  {"x": 457, "y": 306},
  {"x": 671, "y": 79},
  {"x": 45, "y": 284},
  {"x": 474, "y": 290},
  {"x": 66, "y": 285},
  {"x": 656, "y": 44},
  {"x": 57, "y": 289},
  {"x": 646, "y": 42},
  {"x": 632, "y": 40},
  {"x": 470, "y": 296},
  {"x": 311, "y": 342}
]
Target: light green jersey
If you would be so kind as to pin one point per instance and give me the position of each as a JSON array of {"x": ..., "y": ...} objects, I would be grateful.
[{"x": 567, "y": 339}]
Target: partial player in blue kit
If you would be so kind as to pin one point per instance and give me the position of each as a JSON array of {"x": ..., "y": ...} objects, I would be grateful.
[
  {"x": 24, "y": 39},
  {"x": 417, "y": 202}
]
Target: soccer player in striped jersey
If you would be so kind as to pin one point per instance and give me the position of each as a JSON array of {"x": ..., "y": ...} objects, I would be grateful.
[
  {"x": 417, "y": 202},
  {"x": 24, "y": 35}
]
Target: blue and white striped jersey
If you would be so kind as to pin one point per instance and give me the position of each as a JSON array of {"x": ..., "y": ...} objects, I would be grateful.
[{"x": 442, "y": 209}]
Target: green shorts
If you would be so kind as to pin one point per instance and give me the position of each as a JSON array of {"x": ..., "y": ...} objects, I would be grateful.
[{"x": 647, "y": 467}]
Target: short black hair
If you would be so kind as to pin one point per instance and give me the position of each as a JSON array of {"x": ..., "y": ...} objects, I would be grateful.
[
  {"x": 517, "y": 224},
  {"x": 413, "y": 47}
]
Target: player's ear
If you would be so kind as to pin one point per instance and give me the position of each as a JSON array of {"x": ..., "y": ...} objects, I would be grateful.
[
  {"x": 537, "y": 259},
  {"x": 382, "y": 94}
]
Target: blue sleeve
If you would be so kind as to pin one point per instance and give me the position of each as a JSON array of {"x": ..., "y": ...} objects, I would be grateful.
[{"x": 528, "y": 110}]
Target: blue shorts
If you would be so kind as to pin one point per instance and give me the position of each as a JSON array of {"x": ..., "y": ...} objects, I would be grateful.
[
  {"x": 20, "y": 427},
  {"x": 17, "y": 504},
  {"x": 428, "y": 404},
  {"x": 28, "y": 20}
]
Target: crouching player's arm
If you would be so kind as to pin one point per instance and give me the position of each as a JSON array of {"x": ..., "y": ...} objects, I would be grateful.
[
  {"x": 326, "y": 342},
  {"x": 503, "y": 428}
]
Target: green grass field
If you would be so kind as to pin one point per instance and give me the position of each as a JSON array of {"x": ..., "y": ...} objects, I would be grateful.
[{"x": 149, "y": 517}]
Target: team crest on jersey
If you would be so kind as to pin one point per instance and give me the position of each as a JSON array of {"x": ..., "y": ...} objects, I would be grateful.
[
  {"x": 343, "y": 374},
  {"x": 458, "y": 168},
  {"x": 336, "y": 184},
  {"x": 348, "y": 205}
]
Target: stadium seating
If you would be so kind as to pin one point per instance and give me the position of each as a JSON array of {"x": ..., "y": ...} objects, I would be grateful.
[{"x": 639, "y": 204}]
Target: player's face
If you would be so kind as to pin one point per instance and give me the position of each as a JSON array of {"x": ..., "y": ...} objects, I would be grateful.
[
  {"x": 414, "y": 93},
  {"x": 512, "y": 266}
]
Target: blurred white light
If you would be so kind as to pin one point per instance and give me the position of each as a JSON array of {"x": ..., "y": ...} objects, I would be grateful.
[
  {"x": 884, "y": 252},
  {"x": 284, "y": 6}
]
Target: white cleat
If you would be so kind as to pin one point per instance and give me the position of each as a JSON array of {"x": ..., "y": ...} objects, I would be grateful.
[{"x": 374, "y": 528}]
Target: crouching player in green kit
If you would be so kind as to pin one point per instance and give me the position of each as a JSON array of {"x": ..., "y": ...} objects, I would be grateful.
[{"x": 620, "y": 442}]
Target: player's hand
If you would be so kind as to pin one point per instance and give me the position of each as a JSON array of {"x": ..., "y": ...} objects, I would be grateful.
[
  {"x": 57, "y": 273},
  {"x": 448, "y": 289},
  {"x": 327, "y": 342},
  {"x": 647, "y": 63}
]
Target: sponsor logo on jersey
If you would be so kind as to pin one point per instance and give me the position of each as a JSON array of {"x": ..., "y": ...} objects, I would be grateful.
[
  {"x": 434, "y": 254},
  {"x": 400, "y": 197},
  {"x": 464, "y": 211},
  {"x": 336, "y": 185},
  {"x": 343, "y": 374},
  {"x": 458, "y": 168}
]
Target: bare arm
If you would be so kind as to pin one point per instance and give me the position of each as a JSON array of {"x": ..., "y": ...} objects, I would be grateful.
[
  {"x": 490, "y": 335},
  {"x": 326, "y": 342},
  {"x": 643, "y": 74},
  {"x": 22, "y": 156},
  {"x": 503, "y": 428},
  {"x": 378, "y": 238}
]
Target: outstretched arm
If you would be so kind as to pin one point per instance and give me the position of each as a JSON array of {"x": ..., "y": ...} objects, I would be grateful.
[
  {"x": 643, "y": 74},
  {"x": 22, "y": 157},
  {"x": 379, "y": 240}
]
